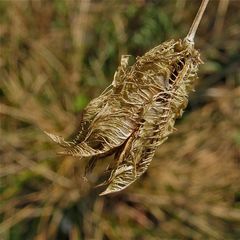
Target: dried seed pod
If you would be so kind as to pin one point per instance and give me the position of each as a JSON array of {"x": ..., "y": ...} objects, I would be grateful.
[
  {"x": 137, "y": 112},
  {"x": 107, "y": 122},
  {"x": 171, "y": 68}
]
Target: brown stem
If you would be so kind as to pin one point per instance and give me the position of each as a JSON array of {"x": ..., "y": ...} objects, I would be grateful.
[{"x": 191, "y": 34}]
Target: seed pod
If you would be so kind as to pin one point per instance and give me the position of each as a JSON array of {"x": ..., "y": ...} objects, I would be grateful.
[
  {"x": 171, "y": 68},
  {"x": 137, "y": 112},
  {"x": 107, "y": 121}
]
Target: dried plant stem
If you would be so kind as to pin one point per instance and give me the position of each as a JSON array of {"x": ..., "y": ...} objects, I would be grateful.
[
  {"x": 221, "y": 13},
  {"x": 191, "y": 34}
]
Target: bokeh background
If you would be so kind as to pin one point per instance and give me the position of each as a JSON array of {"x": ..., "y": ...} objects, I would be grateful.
[{"x": 56, "y": 55}]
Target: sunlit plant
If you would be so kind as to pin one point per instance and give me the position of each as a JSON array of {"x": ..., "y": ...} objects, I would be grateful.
[{"x": 137, "y": 112}]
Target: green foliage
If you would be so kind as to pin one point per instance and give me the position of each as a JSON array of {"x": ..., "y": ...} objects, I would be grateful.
[{"x": 80, "y": 102}]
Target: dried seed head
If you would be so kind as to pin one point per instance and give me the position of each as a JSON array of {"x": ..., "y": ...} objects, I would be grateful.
[
  {"x": 167, "y": 74},
  {"x": 137, "y": 112}
]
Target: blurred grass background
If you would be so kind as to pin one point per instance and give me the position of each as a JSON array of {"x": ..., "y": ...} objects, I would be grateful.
[{"x": 57, "y": 55}]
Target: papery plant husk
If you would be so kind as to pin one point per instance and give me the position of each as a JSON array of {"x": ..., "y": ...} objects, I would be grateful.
[{"x": 137, "y": 112}]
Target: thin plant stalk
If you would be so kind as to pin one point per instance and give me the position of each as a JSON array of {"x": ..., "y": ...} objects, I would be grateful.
[{"x": 191, "y": 34}]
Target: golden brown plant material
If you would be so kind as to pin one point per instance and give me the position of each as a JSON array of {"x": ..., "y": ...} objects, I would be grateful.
[{"x": 137, "y": 112}]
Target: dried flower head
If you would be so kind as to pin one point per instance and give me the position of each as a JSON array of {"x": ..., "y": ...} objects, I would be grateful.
[{"x": 137, "y": 112}]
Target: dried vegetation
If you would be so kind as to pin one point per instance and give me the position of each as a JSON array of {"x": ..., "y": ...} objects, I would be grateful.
[{"x": 50, "y": 67}]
